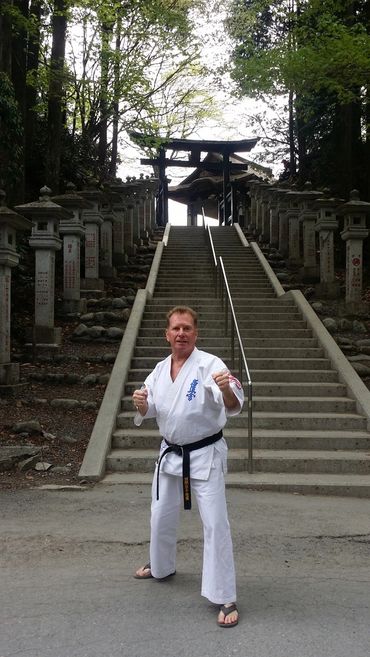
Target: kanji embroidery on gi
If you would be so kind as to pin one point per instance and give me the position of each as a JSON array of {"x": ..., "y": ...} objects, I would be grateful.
[{"x": 191, "y": 392}]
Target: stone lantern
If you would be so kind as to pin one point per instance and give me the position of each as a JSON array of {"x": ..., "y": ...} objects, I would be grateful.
[
  {"x": 92, "y": 284},
  {"x": 354, "y": 232},
  {"x": 251, "y": 225},
  {"x": 308, "y": 218},
  {"x": 262, "y": 212},
  {"x": 106, "y": 242},
  {"x": 274, "y": 217},
  {"x": 152, "y": 184},
  {"x": 45, "y": 240},
  {"x": 282, "y": 207},
  {"x": 326, "y": 225},
  {"x": 72, "y": 230},
  {"x": 119, "y": 257},
  {"x": 10, "y": 222},
  {"x": 291, "y": 216},
  {"x": 130, "y": 247}
]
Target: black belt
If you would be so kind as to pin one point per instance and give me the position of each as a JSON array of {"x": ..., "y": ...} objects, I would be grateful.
[{"x": 184, "y": 451}]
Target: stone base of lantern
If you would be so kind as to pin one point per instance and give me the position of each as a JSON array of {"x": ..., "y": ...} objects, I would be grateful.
[
  {"x": 357, "y": 307},
  {"x": 328, "y": 290},
  {"x": 9, "y": 375},
  {"x": 92, "y": 288},
  {"x": 131, "y": 250},
  {"x": 309, "y": 274},
  {"x": 120, "y": 259},
  {"x": 92, "y": 284},
  {"x": 107, "y": 272},
  {"x": 73, "y": 306},
  {"x": 44, "y": 337}
]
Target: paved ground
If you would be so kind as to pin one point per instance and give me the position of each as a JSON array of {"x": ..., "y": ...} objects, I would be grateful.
[{"x": 67, "y": 589}]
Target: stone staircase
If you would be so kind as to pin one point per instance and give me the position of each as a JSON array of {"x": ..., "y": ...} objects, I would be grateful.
[{"x": 308, "y": 435}]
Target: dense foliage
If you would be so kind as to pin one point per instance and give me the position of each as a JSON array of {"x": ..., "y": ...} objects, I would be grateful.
[
  {"x": 77, "y": 77},
  {"x": 314, "y": 57}
]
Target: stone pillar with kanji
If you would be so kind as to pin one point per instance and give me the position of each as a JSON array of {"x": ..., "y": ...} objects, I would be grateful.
[
  {"x": 92, "y": 283},
  {"x": 106, "y": 268},
  {"x": 261, "y": 206},
  {"x": 294, "y": 238},
  {"x": 45, "y": 240},
  {"x": 141, "y": 217},
  {"x": 253, "y": 186},
  {"x": 152, "y": 184},
  {"x": 326, "y": 225},
  {"x": 282, "y": 208},
  {"x": 119, "y": 255},
  {"x": 72, "y": 231},
  {"x": 354, "y": 232},
  {"x": 274, "y": 218},
  {"x": 10, "y": 223},
  {"x": 130, "y": 247},
  {"x": 308, "y": 217},
  {"x": 265, "y": 191}
]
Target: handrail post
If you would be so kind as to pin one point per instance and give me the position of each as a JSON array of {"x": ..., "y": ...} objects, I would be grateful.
[
  {"x": 250, "y": 429},
  {"x": 232, "y": 346}
]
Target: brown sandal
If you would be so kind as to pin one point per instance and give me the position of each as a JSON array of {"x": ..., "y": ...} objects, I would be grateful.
[{"x": 226, "y": 611}]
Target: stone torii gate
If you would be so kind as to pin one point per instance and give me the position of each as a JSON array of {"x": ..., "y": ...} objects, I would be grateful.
[{"x": 195, "y": 148}]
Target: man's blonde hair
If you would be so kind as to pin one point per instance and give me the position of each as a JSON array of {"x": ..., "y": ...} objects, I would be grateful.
[{"x": 181, "y": 310}]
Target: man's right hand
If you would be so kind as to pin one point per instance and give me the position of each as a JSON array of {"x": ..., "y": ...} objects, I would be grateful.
[{"x": 139, "y": 400}]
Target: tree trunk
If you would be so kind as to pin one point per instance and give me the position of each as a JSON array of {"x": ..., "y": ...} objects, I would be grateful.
[
  {"x": 5, "y": 42},
  {"x": 19, "y": 55},
  {"x": 56, "y": 96},
  {"x": 292, "y": 151},
  {"x": 31, "y": 170},
  {"x": 106, "y": 32},
  {"x": 347, "y": 147},
  {"x": 115, "y": 124}
]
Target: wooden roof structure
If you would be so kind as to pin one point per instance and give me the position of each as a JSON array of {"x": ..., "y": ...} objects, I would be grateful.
[{"x": 221, "y": 164}]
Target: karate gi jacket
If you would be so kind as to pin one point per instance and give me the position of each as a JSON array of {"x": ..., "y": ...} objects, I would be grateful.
[{"x": 190, "y": 408}]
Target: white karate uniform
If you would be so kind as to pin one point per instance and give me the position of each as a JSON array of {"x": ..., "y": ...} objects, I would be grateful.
[{"x": 188, "y": 409}]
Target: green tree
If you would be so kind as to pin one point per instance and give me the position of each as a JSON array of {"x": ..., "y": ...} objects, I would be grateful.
[{"x": 318, "y": 55}]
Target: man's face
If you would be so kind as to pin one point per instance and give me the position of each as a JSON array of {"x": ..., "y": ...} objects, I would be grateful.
[{"x": 181, "y": 334}]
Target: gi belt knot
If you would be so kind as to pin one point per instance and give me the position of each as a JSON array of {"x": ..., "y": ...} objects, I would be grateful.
[{"x": 184, "y": 452}]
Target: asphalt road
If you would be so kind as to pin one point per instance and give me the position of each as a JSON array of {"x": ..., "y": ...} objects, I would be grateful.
[{"x": 67, "y": 590}]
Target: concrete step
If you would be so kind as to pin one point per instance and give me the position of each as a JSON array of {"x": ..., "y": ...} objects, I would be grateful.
[
  {"x": 296, "y": 404},
  {"x": 350, "y": 485},
  {"x": 216, "y": 342},
  {"x": 262, "y": 314},
  {"x": 262, "y": 439},
  {"x": 244, "y": 324},
  {"x": 278, "y": 389},
  {"x": 267, "y": 376},
  {"x": 144, "y": 362},
  {"x": 251, "y": 352},
  {"x": 160, "y": 303},
  {"x": 309, "y": 461},
  {"x": 278, "y": 421},
  {"x": 218, "y": 331}
]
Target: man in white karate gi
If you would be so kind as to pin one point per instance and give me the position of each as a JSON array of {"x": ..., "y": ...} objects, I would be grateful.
[{"x": 191, "y": 393}]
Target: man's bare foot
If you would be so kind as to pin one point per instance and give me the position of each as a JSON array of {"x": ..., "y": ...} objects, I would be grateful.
[
  {"x": 228, "y": 615},
  {"x": 144, "y": 572}
]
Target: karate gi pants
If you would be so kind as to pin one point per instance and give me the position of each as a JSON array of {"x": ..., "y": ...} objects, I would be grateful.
[{"x": 218, "y": 575}]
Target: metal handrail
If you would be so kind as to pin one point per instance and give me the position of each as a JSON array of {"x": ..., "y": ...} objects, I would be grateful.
[
  {"x": 222, "y": 278},
  {"x": 242, "y": 361}
]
